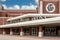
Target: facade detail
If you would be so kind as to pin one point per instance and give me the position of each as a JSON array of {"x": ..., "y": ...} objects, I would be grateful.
[
  {"x": 11, "y": 32},
  {"x": 21, "y": 32},
  {"x": 40, "y": 31},
  {"x": 44, "y": 21},
  {"x": 50, "y": 7},
  {"x": 4, "y": 32}
]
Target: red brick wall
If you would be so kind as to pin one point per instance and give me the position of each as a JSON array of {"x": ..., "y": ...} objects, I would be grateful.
[
  {"x": 2, "y": 14},
  {"x": 56, "y": 3},
  {"x": 13, "y": 13},
  {"x": 1, "y": 31},
  {"x": 3, "y": 20}
]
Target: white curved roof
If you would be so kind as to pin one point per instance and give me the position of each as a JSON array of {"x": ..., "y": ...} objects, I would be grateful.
[
  {"x": 33, "y": 15},
  {"x": 34, "y": 22}
]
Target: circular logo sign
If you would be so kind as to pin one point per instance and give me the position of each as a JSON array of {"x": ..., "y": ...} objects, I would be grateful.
[{"x": 50, "y": 7}]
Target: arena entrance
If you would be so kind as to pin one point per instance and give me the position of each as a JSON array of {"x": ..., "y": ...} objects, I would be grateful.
[
  {"x": 31, "y": 31},
  {"x": 52, "y": 31},
  {"x": 7, "y": 30},
  {"x": 16, "y": 31},
  {"x": 35, "y": 31}
]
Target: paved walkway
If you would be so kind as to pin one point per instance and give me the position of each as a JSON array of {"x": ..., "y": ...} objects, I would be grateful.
[{"x": 8, "y": 37}]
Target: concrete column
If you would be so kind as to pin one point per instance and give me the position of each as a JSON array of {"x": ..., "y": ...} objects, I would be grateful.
[
  {"x": 40, "y": 34},
  {"x": 41, "y": 7},
  {"x": 21, "y": 31},
  {"x": 11, "y": 32},
  {"x": 4, "y": 32}
]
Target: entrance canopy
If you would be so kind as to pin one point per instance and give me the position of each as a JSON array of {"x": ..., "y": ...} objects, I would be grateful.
[
  {"x": 34, "y": 22},
  {"x": 34, "y": 15}
]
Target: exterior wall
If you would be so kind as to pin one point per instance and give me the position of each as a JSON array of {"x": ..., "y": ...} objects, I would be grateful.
[
  {"x": 59, "y": 6},
  {"x": 2, "y": 14},
  {"x": 18, "y": 13},
  {"x": 40, "y": 34},
  {"x": 56, "y": 3},
  {"x": 21, "y": 31},
  {"x": 42, "y": 6},
  {"x": 3, "y": 20},
  {"x": 5, "y": 14},
  {"x": 11, "y": 31},
  {"x": 7, "y": 30},
  {"x": 14, "y": 13},
  {"x": 1, "y": 31}
]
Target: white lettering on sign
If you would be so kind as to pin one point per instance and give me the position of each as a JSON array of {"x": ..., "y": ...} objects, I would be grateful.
[{"x": 50, "y": 7}]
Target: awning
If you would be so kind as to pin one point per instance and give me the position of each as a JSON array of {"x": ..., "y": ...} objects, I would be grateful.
[
  {"x": 34, "y": 22},
  {"x": 34, "y": 15}
]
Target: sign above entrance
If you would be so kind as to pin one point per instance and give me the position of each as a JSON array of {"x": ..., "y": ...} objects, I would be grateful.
[{"x": 50, "y": 7}]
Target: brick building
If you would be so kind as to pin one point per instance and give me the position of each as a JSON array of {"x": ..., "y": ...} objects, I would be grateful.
[{"x": 44, "y": 21}]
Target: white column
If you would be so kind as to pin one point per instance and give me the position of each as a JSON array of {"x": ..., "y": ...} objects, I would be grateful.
[
  {"x": 40, "y": 32},
  {"x": 11, "y": 32},
  {"x": 21, "y": 31},
  {"x": 41, "y": 7},
  {"x": 3, "y": 31}
]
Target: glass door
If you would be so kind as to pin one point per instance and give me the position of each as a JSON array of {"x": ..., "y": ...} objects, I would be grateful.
[
  {"x": 26, "y": 31},
  {"x": 50, "y": 31},
  {"x": 16, "y": 31},
  {"x": 34, "y": 31}
]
